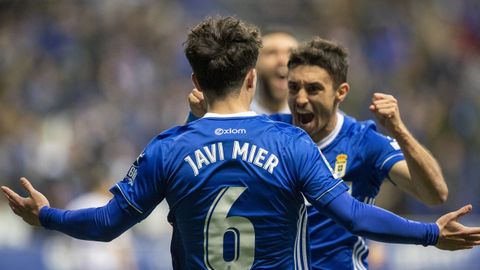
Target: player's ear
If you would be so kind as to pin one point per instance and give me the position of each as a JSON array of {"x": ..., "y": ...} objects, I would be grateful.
[
  {"x": 251, "y": 79},
  {"x": 195, "y": 82},
  {"x": 342, "y": 92}
]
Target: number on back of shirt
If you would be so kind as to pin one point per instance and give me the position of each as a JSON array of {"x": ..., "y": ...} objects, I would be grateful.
[{"x": 240, "y": 230}]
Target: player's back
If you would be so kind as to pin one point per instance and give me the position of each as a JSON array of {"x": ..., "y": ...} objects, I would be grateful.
[
  {"x": 234, "y": 202},
  {"x": 234, "y": 185}
]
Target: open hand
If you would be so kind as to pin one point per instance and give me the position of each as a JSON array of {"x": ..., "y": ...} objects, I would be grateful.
[
  {"x": 197, "y": 103},
  {"x": 26, "y": 208},
  {"x": 454, "y": 235}
]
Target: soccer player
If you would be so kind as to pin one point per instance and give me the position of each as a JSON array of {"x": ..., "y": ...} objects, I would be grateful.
[
  {"x": 234, "y": 180},
  {"x": 317, "y": 82},
  {"x": 272, "y": 90}
]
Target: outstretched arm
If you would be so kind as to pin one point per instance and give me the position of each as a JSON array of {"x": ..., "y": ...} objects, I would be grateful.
[
  {"x": 419, "y": 174},
  {"x": 100, "y": 224},
  {"x": 378, "y": 224}
]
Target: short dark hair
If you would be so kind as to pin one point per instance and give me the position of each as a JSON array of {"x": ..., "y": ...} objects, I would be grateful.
[
  {"x": 323, "y": 53},
  {"x": 221, "y": 51}
]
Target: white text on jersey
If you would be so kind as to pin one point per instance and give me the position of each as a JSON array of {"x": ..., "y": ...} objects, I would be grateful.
[
  {"x": 208, "y": 158},
  {"x": 250, "y": 153}
]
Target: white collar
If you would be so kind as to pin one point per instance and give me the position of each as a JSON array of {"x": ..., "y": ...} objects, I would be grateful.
[
  {"x": 330, "y": 137},
  {"x": 240, "y": 114}
]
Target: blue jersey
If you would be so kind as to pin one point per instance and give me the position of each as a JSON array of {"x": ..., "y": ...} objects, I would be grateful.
[
  {"x": 234, "y": 186},
  {"x": 363, "y": 158}
]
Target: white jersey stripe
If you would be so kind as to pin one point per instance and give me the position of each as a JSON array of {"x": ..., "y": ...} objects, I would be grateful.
[
  {"x": 354, "y": 259},
  {"x": 326, "y": 163},
  {"x": 300, "y": 249},
  {"x": 390, "y": 157},
  {"x": 330, "y": 189},
  {"x": 369, "y": 200},
  {"x": 133, "y": 206},
  {"x": 295, "y": 249},
  {"x": 359, "y": 258},
  {"x": 304, "y": 238},
  {"x": 359, "y": 249},
  {"x": 365, "y": 250}
]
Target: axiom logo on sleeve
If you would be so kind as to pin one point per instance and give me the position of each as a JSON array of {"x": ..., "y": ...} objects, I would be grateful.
[{"x": 222, "y": 131}]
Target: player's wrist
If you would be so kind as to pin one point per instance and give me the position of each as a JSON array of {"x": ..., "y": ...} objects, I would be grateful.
[
  {"x": 433, "y": 235},
  {"x": 400, "y": 132},
  {"x": 44, "y": 216}
]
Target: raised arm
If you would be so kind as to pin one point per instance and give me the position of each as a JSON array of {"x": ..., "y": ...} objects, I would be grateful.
[
  {"x": 380, "y": 225},
  {"x": 419, "y": 174}
]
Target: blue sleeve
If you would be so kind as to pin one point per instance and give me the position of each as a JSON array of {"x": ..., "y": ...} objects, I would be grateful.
[
  {"x": 378, "y": 224},
  {"x": 381, "y": 151},
  {"x": 99, "y": 224},
  {"x": 143, "y": 188},
  {"x": 191, "y": 117},
  {"x": 317, "y": 182}
]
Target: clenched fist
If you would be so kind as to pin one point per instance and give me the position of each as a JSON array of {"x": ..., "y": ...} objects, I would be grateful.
[{"x": 385, "y": 108}]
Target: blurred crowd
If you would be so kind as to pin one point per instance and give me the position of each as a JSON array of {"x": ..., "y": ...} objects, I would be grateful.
[{"x": 84, "y": 85}]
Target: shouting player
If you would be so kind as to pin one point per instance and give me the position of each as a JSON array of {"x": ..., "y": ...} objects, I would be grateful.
[
  {"x": 317, "y": 83},
  {"x": 234, "y": 180}
]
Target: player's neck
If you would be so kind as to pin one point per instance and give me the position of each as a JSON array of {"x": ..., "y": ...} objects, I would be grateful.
[
  {"x": 229, "y": 105},
  {"x": 227, "y": 109},
  {"x": 327, "y": 130},
  {"x": 237, "y": 101}
]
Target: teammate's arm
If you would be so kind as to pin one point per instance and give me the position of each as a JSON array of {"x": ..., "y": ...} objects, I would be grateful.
[
  {"x": 380, "y": 225},
  {"x": 419, "y": 174}
]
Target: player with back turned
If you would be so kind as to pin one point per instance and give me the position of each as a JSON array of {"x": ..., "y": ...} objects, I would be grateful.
[{"x": 234, "y": 180}]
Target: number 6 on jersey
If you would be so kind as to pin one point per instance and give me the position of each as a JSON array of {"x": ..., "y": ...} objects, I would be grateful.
[{"x": 217, "y": 224}]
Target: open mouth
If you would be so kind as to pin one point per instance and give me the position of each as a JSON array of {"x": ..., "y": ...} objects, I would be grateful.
[{"x": 305, "y": 118}]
